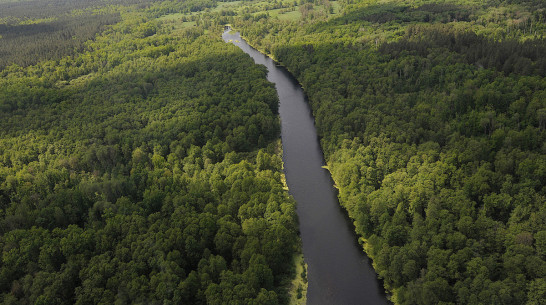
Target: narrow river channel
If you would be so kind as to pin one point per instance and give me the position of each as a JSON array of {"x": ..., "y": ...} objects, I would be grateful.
[{"x": 338, "y": 270}]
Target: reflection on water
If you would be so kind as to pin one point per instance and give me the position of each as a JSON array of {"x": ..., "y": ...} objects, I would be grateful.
[{"x": 338, "y": 270}]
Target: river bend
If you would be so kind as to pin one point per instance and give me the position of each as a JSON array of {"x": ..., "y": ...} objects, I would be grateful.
[{"x": 338, "y": 270}]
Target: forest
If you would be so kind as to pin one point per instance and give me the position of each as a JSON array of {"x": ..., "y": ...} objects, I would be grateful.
[
  {"x": 140, "y": 159},
  {"x": 432, "y": 118},
  {"x": 139, "y": 163}
]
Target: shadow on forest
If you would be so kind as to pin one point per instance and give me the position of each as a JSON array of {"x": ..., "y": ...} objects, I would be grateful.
[
  {"x": 8, "y": 31},
  {"x": 42, "y": 9},
  {"x": 37, "y": 9},
  {"x": 433, "y": 12},
  {"x": 508, "y": 56},
  {"x": 407, "y": 68},
  {"x": 178, "y": 106},
  {"x": 27, "y": 44},
  {"x": 428, "y": 32}
]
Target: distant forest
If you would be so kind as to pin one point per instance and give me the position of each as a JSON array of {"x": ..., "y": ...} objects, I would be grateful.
[{"x": 31, "y": 31}]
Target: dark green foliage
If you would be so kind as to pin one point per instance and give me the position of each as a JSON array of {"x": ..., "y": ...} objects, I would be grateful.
[
  {"x": 509, "y": 56},
  {"x": 34, "y": 31},
  {"x": 27, "y": 44},
  {"x": 434, "y": 131},
  {"x": 36, "y": 9},
  {"x": 144, "y": 170}
]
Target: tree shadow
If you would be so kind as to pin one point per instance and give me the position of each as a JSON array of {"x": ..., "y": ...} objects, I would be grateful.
[
  {"x": 402, "y": 13},
  {"x": 508, "y": 56}
]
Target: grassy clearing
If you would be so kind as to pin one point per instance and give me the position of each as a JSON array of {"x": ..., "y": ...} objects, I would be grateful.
[
  {"x": 337, "y": 6},
  {"x": 187, "y": 24},
  {"x": 290, "y": 16},
  {"x": 298, "y": 288},
  {"x": 226, "y": 5},
  {"x": 175, "y": 23},
  {"x": 272, "y": 13},
  {"x": 177, "y": 27}
]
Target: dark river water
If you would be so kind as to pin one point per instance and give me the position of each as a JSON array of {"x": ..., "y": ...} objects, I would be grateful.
[{"x": 338, "y": 270}]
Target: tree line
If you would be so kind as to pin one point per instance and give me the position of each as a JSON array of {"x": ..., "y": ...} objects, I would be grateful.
[
  {"x": 432, "y": 122},
  {"x": 145, "y": 168}
]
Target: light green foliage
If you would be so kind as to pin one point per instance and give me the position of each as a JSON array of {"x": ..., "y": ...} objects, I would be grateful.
[
  {"x": 143, "y": 170},
  {"x": 290, "y": 16},
  {"x": 430, "y": 116},
  {"x": 298, "y": 288}
]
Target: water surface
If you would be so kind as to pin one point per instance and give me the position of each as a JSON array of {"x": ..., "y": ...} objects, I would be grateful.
[{"x": 338, "y": 270}]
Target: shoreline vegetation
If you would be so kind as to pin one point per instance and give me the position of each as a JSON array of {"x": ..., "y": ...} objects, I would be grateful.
[
  {"x": 145, "y": 167},
  {"x": 343, "y": 214},
  {"x": 427, "y": 132},
  {"x": 139, "y": 154},
  {"x": 298, "y": 286},
  {"x": 263, "y": 51}
]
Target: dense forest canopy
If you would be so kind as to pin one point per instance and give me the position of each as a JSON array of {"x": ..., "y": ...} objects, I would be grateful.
[
  {"x": 139, "y": 160},
  {"x": 432, "y": 116},
  {"x": 138, "y": 165},
  {"x": 31, "y": 31}
]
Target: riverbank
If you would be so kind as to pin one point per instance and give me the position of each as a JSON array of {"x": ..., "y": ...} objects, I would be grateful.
[
  {"x": 338, "y": 271},
  {"x": 298, "y": 286}
]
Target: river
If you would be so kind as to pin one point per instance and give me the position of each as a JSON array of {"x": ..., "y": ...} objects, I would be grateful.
[{"x": 338, "y": 270}]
